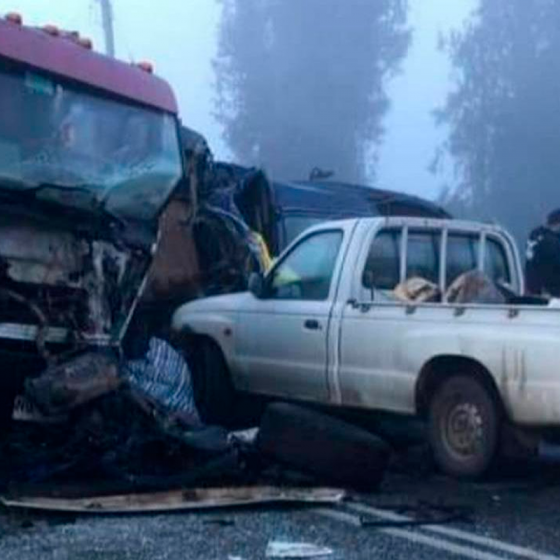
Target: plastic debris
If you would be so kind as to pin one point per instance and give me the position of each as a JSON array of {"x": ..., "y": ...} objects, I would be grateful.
[
  {"x": 246, "y": 437},
  {"x": 280, "y": 549},
  {"x": 163, "y": 375}
]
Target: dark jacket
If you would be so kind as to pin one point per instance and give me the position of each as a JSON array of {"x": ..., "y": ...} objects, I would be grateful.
[{"x": 542, "y": 271}]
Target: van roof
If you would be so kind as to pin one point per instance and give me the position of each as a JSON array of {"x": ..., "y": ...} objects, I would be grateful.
[{"x": 345, "y": 200}]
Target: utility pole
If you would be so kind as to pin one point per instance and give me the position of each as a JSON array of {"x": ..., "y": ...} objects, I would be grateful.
[{"x": 108, "y": 28}]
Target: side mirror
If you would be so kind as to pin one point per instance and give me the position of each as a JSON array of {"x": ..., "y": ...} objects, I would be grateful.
[{"x": 256, "y": 285}]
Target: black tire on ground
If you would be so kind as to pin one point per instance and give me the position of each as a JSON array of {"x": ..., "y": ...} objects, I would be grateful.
[
  {"x": 464, "y": 427},
  {"x": 213, "y": 389},
  {"x": 333, "y": 451}
]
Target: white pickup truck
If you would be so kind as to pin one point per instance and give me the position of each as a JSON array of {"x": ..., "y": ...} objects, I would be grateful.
[{"x": 322, "y": 327}]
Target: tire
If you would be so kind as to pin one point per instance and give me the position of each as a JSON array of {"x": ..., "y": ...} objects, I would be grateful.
[
  {"x": 464, "y": 427},
  {"x": 329, "y": 449},
  {"x": 213, "y": 389}
]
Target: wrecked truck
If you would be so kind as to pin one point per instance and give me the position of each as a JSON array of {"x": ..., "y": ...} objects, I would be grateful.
[
  {"x": 401, "y": 315},
  {"x": 89, "y": 156}
]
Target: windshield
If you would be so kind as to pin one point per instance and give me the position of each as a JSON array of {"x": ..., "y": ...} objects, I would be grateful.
[{"x": 58, "y": 135}]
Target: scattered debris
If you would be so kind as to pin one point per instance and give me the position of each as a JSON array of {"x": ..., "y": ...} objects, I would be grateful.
[
  {"x": 63, "y": 388},
  {"x": 128, "y": 437},
  {"x": 422, "y": 514},
  {"x": 178, "y": 500},
  {"x": 125, "y": 437},
  {"x": 280, "y": 549},
  {"x": 163, "y": 376},
  {"x": 245, "y": 437}
]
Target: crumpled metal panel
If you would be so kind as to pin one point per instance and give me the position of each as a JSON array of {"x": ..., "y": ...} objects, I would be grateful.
[
  {"x": 74, "y": 383},
  {"x": 86, "y": 286},
  {"x": 40, "y": 256},
  {"x": 179, "y": 500}
]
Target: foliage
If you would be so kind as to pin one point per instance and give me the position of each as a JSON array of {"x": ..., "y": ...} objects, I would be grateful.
[
  {"x": 301, "y": 83},
  {"x": 504, "y": 113}
]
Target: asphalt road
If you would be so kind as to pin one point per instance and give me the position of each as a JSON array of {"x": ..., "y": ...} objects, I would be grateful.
[{"x": 517, "y": 516}]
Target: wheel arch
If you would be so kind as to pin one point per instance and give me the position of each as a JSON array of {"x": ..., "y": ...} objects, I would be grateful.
[
  {"x": 187, "y": 337},
  {"x": 439, "y": 368},
  {"x": 190, "y": 341}
]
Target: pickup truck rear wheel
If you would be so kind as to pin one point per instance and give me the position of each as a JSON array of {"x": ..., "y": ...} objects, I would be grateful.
[{"x": 464, "y": 425}]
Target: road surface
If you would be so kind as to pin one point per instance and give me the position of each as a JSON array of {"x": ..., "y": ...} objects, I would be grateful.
[{"x": 516, "y": 517}]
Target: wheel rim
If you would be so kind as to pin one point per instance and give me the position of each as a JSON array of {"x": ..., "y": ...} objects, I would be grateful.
[{"x": 463, "y": 430}]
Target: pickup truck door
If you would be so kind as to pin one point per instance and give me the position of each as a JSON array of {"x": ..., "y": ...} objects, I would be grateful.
[
  {"x": 282, "y": 339},
  {"x": 374, "y": 370}
]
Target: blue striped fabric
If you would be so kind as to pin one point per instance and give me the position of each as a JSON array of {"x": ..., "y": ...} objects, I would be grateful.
[{"x": 164, "y": 376}]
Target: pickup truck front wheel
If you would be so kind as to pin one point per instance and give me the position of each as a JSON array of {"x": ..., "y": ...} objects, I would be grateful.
[
  {"x": 213, "y": 389},
  {"x": 464, "y": 425}
]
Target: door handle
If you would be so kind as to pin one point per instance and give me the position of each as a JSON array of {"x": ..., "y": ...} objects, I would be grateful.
[{"x": 312, "y": 325}]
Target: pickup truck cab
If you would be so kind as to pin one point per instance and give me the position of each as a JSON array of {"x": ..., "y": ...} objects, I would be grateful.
[{"x": 324, "y": 326}]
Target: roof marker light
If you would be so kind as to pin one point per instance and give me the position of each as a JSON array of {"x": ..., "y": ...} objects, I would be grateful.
[
  {"x": 85, "y": 42},
  {"x": 14, "y": 17},
  {"x": 51, "y": 30},
  {"x": 146, "y": 66}
]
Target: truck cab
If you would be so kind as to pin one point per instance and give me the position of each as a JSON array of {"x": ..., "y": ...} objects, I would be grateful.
[{"x": 89, "y": 156}]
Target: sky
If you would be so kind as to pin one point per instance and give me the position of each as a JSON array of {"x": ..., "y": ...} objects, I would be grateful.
[{"x": 180, "y": 38}]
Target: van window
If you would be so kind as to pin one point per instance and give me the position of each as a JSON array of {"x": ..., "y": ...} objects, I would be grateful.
[
  {"x": 382, "y": 270},
  {"x": 495, "y": 262},
  {"x": 462, "y": 255},
  {"x": 423, "y": 254},
  {"x": 296, "y": 225}
]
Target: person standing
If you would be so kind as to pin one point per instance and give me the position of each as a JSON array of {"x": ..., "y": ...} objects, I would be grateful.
[{"x": 542, "y": 269}]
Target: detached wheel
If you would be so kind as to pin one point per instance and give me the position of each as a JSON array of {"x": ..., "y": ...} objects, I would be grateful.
[
  {"x": 464, "y": 427},
  {"x": 323, "y": 446},
  {"x": 213, "y": 388}
]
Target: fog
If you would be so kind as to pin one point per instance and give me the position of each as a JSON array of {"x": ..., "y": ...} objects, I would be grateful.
[
  {"x": 421, "y": 87},
  {"x": 360, "y": 88},
  {"x": 181, "y": 38}
]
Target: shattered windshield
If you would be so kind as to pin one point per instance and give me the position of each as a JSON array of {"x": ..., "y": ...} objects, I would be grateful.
[{"x": 63, "y": 137}]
